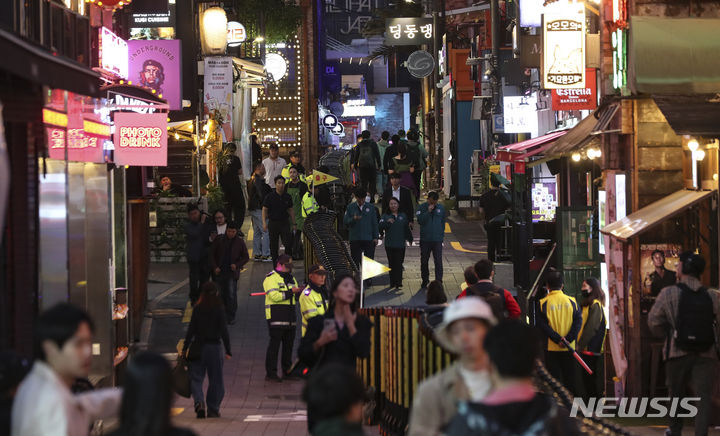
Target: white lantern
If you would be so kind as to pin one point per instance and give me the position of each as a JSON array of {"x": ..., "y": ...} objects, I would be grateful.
[{"x": 213, "y": 31}]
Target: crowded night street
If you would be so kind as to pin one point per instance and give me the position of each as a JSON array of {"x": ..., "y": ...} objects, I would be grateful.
[{"x": 359, "y": 218}]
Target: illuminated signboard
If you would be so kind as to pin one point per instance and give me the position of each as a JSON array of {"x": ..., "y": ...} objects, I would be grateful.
[
  {"x": 408, "y": 31},
  {"x": 564, "y": 47},
  {"x": 113, "y": 54},
  {"x": 520, "y": 115},
  {"x": 358, "y": 111},
  {"x": 544, "y": 201},
  {"x": 84, "y": 138},
  {"x": 236, "y": 34},
  {"x": 155, "y": 64},
  {"x": 140, "y": 139},
  {"x": 276, "y": 66},
  {"x": 619, "y": 44},
  {"x": 568, "y": 99}
]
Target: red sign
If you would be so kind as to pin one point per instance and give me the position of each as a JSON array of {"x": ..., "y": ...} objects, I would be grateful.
[
  {"x": 85, "y": 138},
  {"x": 579, "y": 98},
  {"x": 141, "y": 139}
]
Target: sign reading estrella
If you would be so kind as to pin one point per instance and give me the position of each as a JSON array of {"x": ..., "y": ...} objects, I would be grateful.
[
  {"x": 577, "y": 98},
  {"x": 140, "y": 139},
  {"x": 564, "y": 47},
  {"x": 408, "y": 31},
  {"x": 113, "y": 54}
]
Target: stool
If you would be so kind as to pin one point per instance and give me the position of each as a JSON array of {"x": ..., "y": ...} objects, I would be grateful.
[{"x": 656, "y": 349}]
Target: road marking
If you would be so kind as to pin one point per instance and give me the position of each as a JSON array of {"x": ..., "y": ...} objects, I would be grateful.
[
  {"x": 180, "y": 345},
  {"x": 447, "y": 228},
  {"x": 175, "y": 411},
  {"x": 298, "y": 416},
  {"x": 188, "y": 313},
  {"x": 456, "y": 245}
]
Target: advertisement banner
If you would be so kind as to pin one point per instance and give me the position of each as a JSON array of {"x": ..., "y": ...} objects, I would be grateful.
[
  {"x": 564, "y": 47},
  {"x": 156, "y": 64},
  {"x": 520, "y": 115},
  {"x": 544, "y": 201},
  {"x": 408, "y": 31},
  {"x": 575, "y": 99},
  {"x": 140, "y": 139},
  {"x": 218, "y": 92}
]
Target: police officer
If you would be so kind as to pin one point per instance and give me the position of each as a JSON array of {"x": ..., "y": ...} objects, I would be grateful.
[
  {"x": 294, "y": 162},
  {"x": 314, "y": 298},
  {"x": 280, "y": 289},
  {"x": 309, "y": 204}
]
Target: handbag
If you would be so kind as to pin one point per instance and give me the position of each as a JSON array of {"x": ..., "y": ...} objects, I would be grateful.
[
  {"x": 194, "y": 349},
  {"x": 181, "y": 377}
]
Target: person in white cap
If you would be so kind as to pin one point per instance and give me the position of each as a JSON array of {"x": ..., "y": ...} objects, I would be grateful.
[{"x": 465, "y": 324}]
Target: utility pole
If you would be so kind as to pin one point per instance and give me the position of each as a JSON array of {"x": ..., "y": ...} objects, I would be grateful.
[{"x": 439, "y": 26}]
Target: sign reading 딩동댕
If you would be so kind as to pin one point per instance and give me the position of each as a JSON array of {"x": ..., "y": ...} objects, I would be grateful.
[
  {"x": 140, "y": 139},
  {"x": 564, "y": 47},
  {"x": 155, "y": 64},
  {"x": 575, "y": 99},
  {"x": 408, "y": 31}
]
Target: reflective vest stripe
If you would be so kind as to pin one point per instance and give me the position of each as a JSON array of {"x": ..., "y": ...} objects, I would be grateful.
[{"x": 309, "y": 311}]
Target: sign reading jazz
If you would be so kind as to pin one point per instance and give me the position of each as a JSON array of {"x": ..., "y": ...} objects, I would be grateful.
[
  {"x": 140, "y": 139},
  {"x": 575, "y": 99},
  {"x": 564, "y": 47},
  {"x": 156, "y": 65},
  {"x": 408, "y": 31}
]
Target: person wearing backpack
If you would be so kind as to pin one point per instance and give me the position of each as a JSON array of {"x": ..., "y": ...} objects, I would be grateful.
[
  {"x": 687, "y": 315},
  {"x": 500, "y": 300},
  {"x": 367, "y": 160},
  {"x": 417, "y": 154}
]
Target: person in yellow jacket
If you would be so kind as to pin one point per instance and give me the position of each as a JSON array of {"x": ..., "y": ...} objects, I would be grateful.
[
  {"x": 294, "y": 162},
  {"x": 560, "y": 320},
  {"x": 280, "y": 288},
  {"x": 314, "y": 298},
  {"x": 591, "y": 339},
  {"x": 309, "y": 204}
]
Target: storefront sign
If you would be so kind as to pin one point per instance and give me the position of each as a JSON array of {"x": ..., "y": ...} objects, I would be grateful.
[
  {"x": 338, "y": 130},
  {"x": 564, "y": 47},
  {"x": 329, "y": 121},
  {"x": 218, "y": 92},
  {"x": 420, "y": 64},
  {"x": 544, "y": 201},
  {"x": 140, "y": 139},
  {"x": 84, "y": 137},
  {"x": 520, "y": 115},
  {"x": 236, "y": 34},
  {"x": 156, "y": 65},
  {"x": 152, "y": 20},
  {"x": 276, "y": 66},
  {"x": 408, "y": 31},
  {"x": 358, "y": 111},
  {"x": 531, "y": 13},
  {"x": 572, "y": 99},
  {"x": 113, "y": 54}
]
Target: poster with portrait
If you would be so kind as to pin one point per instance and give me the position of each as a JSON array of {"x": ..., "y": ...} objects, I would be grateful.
[
  {"x": 156, "y": 64},
  {"x": 648, "y": 264}
]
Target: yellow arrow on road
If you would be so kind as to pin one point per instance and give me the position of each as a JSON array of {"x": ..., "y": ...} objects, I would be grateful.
[{"x": 456, "y": 245}]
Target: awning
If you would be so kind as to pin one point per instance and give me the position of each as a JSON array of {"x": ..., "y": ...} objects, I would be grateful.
[
  {"x": 655, "y": 213},
  {"x": 530, "y": 147},
  {"x": 695, "y": 115},
  {"x": 674, "y": 55}
]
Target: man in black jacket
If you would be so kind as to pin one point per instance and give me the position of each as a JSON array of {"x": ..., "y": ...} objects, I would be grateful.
[
  {"x": 257, "y": 190},
  {"x": 403, "y": 196},
  {"x": 232, "y": 186},
  {"x": 367, "y": 159},
  {"x": 198, "y": 238},
  {"x": 229, "y": 255}
]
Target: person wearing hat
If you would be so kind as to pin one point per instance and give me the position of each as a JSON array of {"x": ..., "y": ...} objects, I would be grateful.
[
  {"x": 294, "y": 162},
  {"x": 494, "y": 203},
  {"x": 314, "y": 298},
  {"x": 465, "y": 324},
  {"x": 273, "y": 164}
]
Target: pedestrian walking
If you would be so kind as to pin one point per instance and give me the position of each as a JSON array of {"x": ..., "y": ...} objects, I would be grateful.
[
  {"x": 361, "y": 219},
  {"x": 297, "y": 189},
  {"x": 257, "y": 190},
  {"x": 465, "y": 324},
  {"x": 494, "y": 203},
  {"x": 367, "y": 160},
  {"x": 294, "y": 162},
  {"x": 431, "y": 216},
  {"x": 229, "y": 255},
  {"x": 417, "y": 154},
  {"x": 277, "y": 215},
  {"x": 314, "y": 299},
  {"x": 390, "y": 152},
  {"x": 335, "y": 396},
  {"x": 500, "y": 300},
  {"x": 148, "y": 398},
  {"x": 341, "y": 335},
  {"x": 280, "y": 289},
  {"x": 591, "y": 339},
  {"x": 396, "y": 227},
  {"x": 383, "y": 145},
  {"x": 219, "y": 225},
  {"x": 560, "y": 320},
  {"x": 256, "y": 150},
  {"x": 273, "y": 164},
  {"x": 197, "y": 238},
  {"x": 405, "y": 167},
  {"x": 514, "y": 407},
  {"x": 687, "y": 314},
  {"x": 231, "y": 184},
  {"x": 44, "y": 404},
  {"x": 402, "y": 195},
  {"x": 203, "y": 348}
]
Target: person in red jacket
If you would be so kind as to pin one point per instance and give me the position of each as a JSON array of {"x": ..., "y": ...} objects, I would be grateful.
[{"x": 485, "y": 272}]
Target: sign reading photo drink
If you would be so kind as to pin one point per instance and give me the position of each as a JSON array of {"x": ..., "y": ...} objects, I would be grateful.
[
  {"x": 574, "y": 99},
  {"x": 156, "y": 65},
  {"x": 140, "y": 139},
  {"x": 408, "y": 31},
  {"x": 564, "y": 47}
]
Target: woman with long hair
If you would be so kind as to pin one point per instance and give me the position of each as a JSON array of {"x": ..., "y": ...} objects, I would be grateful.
[
  {"x": 591, "y": 339},
  {"x": 147, "y": 398},
  {"x": 403, "y": 165},
  {"x": 208, "y": 327}
]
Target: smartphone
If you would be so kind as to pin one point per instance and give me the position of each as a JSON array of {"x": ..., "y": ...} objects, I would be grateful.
[{"x": 329, "y": 324}]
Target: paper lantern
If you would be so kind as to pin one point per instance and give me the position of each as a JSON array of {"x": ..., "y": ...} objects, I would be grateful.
[{"x": 214, "y": 31}]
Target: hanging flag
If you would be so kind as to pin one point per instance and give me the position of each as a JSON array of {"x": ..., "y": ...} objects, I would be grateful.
[
  {"x": 319, "y": 178},
  {"x": 371, "y": 268}
]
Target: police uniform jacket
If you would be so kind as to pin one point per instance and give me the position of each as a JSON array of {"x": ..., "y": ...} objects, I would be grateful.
[
  {"x": 279, "y": 299},
  {"x": 365, "y": 229},
  {"x": 313, "y": 302},
  {"x": 398, "y": 232}
]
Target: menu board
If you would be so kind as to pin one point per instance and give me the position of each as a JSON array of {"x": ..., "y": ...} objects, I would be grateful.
[{"x": 544, "y": 201}]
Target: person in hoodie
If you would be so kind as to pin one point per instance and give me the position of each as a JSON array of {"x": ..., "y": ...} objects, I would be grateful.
[{"x": 513, "y": 407}]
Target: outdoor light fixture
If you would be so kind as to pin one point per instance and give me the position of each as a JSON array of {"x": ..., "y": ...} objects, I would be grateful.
[
  {"x": 259, "y": 39},
  {"x": 214, "y": 31},
  {"x": 693, "y": 145},
  {"x": 576, "y": 157},
  {"x": 699, "y": 155}
]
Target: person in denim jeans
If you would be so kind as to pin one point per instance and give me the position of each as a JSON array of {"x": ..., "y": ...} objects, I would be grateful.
[
  {"x": 208, "y": 327},
  {"x": 229, "y": 255},
  {"x": 257, "y": 190}
]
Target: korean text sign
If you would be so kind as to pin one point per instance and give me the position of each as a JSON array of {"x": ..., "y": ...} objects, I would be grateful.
[
  {"x": 408, "y": 31},
  {"x": 156, "y": 64},
  {"x": 574, "y": 99},
  {"x": 564, "y": 47},
  {"x": 141, "y": 139}
]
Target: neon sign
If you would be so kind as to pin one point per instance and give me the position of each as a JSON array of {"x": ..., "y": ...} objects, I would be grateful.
[{"x": 113, "y": 54}]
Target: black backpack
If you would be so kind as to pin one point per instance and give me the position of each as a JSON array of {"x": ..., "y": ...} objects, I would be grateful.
[
  {"x": 695, "y": 325},
  {"x": 493, "y": 296},
  {"x": 366, "y": 155}
]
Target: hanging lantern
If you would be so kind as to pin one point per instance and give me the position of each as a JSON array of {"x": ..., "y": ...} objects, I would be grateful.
[{"x": 213, "y": 31}]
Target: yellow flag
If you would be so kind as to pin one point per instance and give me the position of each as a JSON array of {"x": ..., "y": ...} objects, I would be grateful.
[
  {"x": 319, "y": 178},
  {"x": 371, "y": 269}
]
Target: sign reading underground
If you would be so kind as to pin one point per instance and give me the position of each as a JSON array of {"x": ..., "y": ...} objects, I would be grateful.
[{"x": 140, "y": 139}]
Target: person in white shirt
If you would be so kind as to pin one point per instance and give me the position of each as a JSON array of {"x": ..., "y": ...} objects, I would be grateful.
[
  {"x": 44, "y": 404},
  {"x": 273, "y": 164},
  {"x": 465, "y": 324}
]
